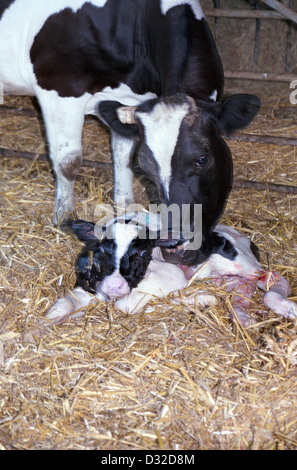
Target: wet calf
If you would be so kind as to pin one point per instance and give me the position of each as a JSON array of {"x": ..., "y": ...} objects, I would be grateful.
[
  {"x": 237, "y": 267},
  {"x": 131, "y": 271}
]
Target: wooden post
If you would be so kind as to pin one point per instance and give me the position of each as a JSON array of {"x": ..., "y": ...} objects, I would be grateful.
[{"x": 287, "y": 12}]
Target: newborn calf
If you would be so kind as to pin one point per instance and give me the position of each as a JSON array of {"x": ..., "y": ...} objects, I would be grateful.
[
  {"x": 237, "y": 267},
  {"x": 132, "y": 271}
]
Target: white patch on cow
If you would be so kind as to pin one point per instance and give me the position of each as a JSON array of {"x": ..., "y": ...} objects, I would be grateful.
[
  {"x": 16, "y": 70},
  {"x": 194, "y": 4},
  {"x": 161, "y": 128},
  {"x": 9, "y": 89},
  {"x": 123, "y": 94},
  {"x": 214, "y": 95}
]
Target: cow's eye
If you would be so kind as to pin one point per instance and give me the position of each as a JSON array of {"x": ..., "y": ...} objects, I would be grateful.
[
  {"x": 143, "y": 253},
  {"x": 201, "y": 161}
]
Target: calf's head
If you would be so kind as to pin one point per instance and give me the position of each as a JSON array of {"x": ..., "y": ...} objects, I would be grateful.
[
  {"x": 181, "y": 149},
  {"x": 112, "y": 266}
]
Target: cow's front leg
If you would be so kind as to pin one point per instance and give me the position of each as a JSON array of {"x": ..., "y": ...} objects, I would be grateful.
[
  {"x": 64, "y": 118},
  {"x": 66, "y": 168},
  {"x": 122, "y": 150}
]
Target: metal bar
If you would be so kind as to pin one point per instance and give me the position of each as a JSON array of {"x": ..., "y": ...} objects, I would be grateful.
[
  {"x": 264, "y": 139},
  {"x": 8, "y": 153},
  {"x": 15, "y": 111},
  {"x": 269, "y": 76},
  {"x": 216, "y": 4},
  {"x": 262, "y": 14},
  {"x": 288, "y": 3},
  {"x": 257, "y": 34},
  {"x": 259, "y": 186},
  {"x": 268, "y": 139}
]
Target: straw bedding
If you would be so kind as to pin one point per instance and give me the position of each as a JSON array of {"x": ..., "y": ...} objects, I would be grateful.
[{"x": 173, "y": 379}]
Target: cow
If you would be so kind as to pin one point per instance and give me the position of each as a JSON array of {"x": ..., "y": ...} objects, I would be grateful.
[
  {"x": 150, "y": 70},
  {"x": 130, "y": 271}
]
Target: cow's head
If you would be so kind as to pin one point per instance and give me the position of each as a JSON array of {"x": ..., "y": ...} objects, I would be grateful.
[{"x": 181, "y": 150}]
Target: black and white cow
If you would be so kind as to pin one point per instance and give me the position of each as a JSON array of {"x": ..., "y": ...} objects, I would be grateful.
[
  {"x": 91, "y": 57},
  {"x": 131, "y": 272}
]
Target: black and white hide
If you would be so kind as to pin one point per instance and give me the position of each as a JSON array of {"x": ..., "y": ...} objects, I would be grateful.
[{"x": 131, "y": 272}]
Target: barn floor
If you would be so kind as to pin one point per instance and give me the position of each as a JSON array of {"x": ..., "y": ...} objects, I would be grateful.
[{"x": 173, "y": 379}]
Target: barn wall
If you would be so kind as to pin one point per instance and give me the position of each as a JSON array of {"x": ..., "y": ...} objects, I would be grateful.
[{"x": 236, "y": 42}]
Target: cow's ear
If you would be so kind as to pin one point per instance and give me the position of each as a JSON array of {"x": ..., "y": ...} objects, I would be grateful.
[
  {"x": 111, "y": 112},
  {"x": 84, "y": 231},
  {"x": 237, "y": 111}
]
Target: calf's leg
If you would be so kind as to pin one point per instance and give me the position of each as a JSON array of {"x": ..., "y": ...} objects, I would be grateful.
[
  {"x": 73, "y": 304},
  {"x": 243, "y": 290},
  {"x": 278, "y": 289}
]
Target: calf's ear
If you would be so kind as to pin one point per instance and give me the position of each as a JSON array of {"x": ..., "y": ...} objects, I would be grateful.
[
  {"x": 237, "y": 111},
  {"x": 84, "y": 231},
  {"x": 119, "y": 118},
  {"x": 223, "y": 247}
]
